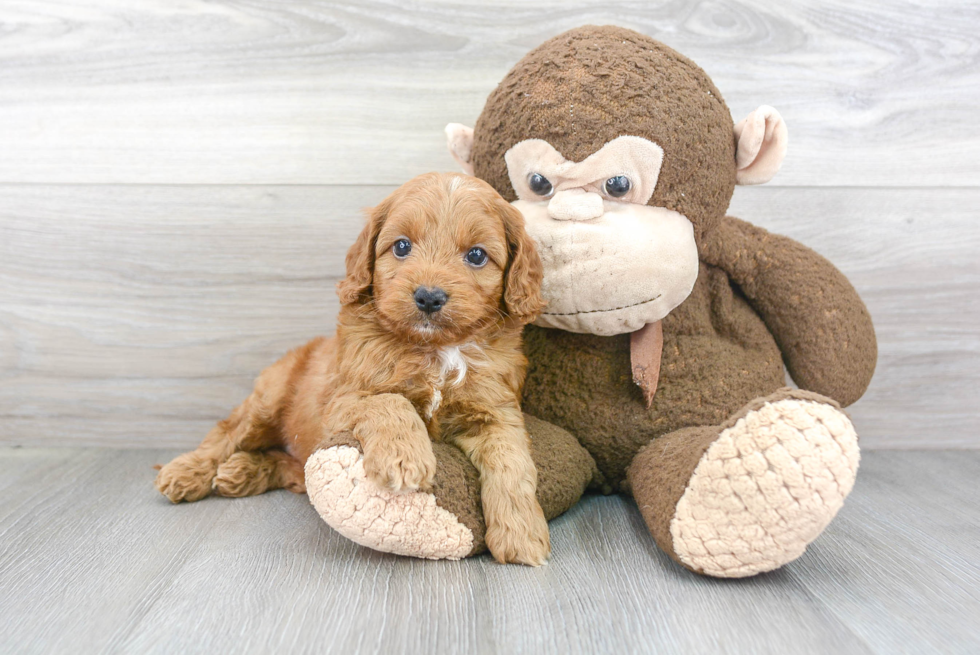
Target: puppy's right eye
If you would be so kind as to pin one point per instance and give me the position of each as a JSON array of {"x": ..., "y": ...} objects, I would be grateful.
[
  {"x": 539, "y": 185},
  {"x": 401, "y": 248},
  {"x": 476, "y": 257}
]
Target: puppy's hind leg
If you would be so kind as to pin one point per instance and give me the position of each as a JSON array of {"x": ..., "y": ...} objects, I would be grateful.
[
  {"x": 252, "y": 473},
  {"x": 253, "y": 426},
  {"x": 190, "y": 476}
]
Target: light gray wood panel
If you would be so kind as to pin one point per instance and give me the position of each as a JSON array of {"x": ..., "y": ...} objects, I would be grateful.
[
  {"x": 358, "y": 92},
  {"x": 158, "y": 304},
  {"x": 93, "y": 559},
  {"x": 139, "y": 315}
]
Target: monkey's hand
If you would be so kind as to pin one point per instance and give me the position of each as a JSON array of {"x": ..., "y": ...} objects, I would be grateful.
[{"x": 820, "y": 324}]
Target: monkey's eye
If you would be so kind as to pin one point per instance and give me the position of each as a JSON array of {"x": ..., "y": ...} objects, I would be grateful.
[
  {"x": 476, "y": 257},
  {"x": 539, "y": 184},
  {"x": 401, "y": 248},
  {"x": 618, "y": 186}
]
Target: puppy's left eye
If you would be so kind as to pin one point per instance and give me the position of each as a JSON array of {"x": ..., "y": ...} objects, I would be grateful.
[
  {"x": 476, "y": 257},
  {"x": 401, "y": 248}
]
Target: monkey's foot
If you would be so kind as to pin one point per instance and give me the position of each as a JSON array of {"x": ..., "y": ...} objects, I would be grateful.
[{"x": 750, "y": 495}]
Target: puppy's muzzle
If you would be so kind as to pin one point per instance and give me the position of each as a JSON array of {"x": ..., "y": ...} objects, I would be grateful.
[{"x": 430, "y": 301}]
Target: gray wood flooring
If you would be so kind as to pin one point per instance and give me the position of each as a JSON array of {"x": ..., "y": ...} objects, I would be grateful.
[{"x": 93, "y": 560}]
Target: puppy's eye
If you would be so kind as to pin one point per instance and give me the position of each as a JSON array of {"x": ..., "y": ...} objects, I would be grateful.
[
  {"x": 476, "y": 257},
  {"x": 540, "y": 185},
  {"x": 618, "y": 186},
  {"x": 401, "y": 248}
]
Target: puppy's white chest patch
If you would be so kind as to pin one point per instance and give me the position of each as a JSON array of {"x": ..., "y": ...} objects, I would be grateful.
[
  {"x": 452, "y": 366},
  {"x": 452, "y": 359},
  {"x": 433, "y": 405}
]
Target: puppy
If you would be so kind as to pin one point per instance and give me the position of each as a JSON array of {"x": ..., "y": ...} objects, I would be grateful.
[{"x": 439, "y": 285}]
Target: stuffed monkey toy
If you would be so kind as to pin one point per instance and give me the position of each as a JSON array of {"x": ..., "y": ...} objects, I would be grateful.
[{"x": 657, "y": 367}]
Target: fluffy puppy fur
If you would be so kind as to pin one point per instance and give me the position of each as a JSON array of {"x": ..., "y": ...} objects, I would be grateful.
[{"x": 397, "y": 376}]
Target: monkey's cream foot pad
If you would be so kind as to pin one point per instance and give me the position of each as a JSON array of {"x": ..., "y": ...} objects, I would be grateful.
[
  {"x": 766, "y": 488},
  {"x": 409, "y": 523}
]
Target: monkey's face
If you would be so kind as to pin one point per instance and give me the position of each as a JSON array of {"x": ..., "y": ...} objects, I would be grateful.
[
  {"x": 612, "y": 263},
  {"x": 618, "y": 227}
]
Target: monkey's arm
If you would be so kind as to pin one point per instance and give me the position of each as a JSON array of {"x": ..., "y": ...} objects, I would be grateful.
[{"x": 821, "y": 325}]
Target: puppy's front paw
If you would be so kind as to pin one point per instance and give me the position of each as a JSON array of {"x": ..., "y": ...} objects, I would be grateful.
[
  {"x": 404, "y": 464},
  {"x": 187, "y": 478},
  {"x": 520, "y": 539}
]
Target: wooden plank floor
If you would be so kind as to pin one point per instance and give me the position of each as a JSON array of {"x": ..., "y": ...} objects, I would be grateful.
[{"x": 92, "y": 559}]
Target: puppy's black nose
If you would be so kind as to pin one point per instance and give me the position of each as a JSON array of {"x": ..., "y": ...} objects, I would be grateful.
[{"x": 430, "y": 300}]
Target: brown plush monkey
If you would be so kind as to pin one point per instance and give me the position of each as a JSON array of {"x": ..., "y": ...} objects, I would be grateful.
[{"x": 668, "y": 324}]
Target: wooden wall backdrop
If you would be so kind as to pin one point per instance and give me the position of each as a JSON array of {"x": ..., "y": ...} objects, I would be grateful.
[{"x": 179, "y": 183}]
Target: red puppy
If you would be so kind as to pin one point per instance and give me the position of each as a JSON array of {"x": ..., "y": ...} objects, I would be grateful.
[{"x": 439, "y": 285}]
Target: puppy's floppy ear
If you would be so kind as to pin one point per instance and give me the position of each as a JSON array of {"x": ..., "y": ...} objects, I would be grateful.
[
  {"x": 522, "y": 279},
  {"x": 356, "y": 287}
]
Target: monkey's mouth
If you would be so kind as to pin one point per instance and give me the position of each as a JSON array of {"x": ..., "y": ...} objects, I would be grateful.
[{"x": 603, "y": 311}]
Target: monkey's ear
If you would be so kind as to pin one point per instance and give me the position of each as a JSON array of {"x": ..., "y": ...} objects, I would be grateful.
[
  {"x": 460, "y": 141},
  {"x": 522, "y": 279},
  {"x": 356, "y": 286},
  {"x": 762, "y": 140}
]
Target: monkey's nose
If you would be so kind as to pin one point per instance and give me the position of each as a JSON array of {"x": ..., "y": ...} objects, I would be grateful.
[
  {"x": 430, "y": 300},
  {"x": 575, "y": 205}
]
